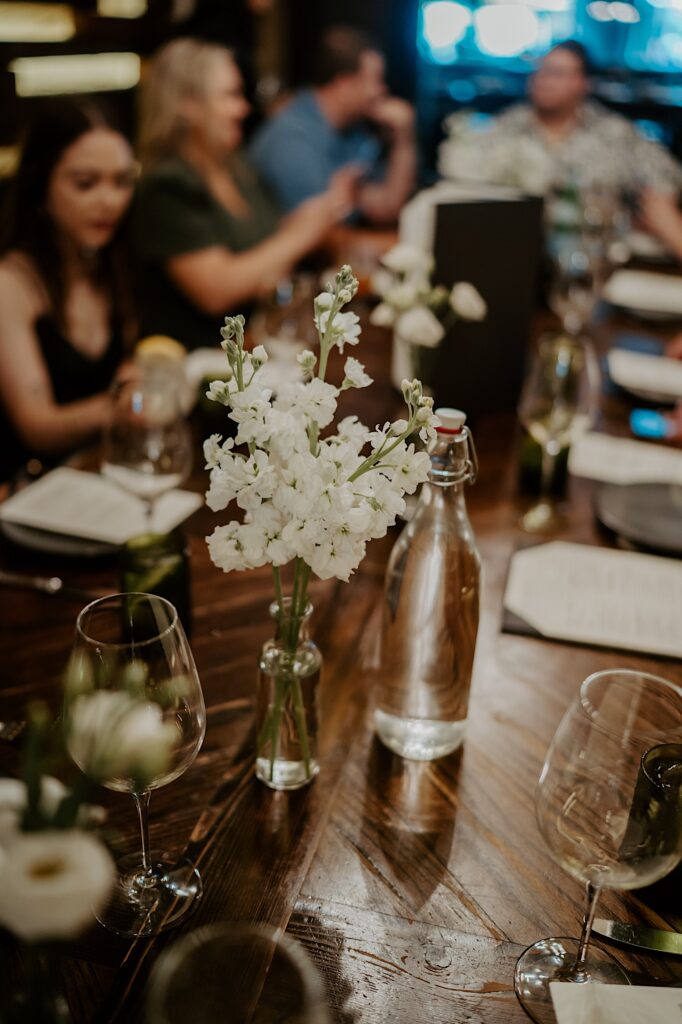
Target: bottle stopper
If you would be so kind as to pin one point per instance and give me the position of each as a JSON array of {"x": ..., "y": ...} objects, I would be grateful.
[{"x": 451, "y": 420}]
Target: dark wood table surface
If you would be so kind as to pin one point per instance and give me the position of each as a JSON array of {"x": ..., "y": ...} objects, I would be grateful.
[{"x": 414, "y": 887}]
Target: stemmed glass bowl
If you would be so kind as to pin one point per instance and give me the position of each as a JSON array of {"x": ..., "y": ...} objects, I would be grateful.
[
  {"x": 608, "y": 806},
  {"x": 135, "y": 721}
]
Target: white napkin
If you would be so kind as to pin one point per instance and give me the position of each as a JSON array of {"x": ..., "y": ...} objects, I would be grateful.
[
  {"x": 614, "y": 1004},
  {"x": 620, "y": 460},
  {"x": 68, "y": 501},
  {"x": 640, "y": 290},
  {"x": 641, "y": 373}
]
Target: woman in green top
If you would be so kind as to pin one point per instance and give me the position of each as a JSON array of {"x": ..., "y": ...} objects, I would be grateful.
[{"x": 208, "y": 235}]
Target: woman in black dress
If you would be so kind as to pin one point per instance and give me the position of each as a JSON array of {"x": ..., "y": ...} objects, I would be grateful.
[{"x": 64, "y": 287}]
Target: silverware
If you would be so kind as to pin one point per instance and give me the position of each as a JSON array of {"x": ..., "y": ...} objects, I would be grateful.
[
  {"x": 10, "y": 731},
  {"x": 656, "y": 940},
  {"x": 47, "y": 585}
]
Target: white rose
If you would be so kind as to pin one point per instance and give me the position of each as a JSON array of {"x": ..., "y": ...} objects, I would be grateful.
[
  {"x": 403, "y": 296},
  {"x": 466, "y": 302},
  {"x": 112, "y": 735},
  {"x": 53, "y": 883},
  {"x": 419, "y": 326},
  {"x": 382, "y": 315}
]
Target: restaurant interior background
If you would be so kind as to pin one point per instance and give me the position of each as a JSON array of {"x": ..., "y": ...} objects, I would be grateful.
[{"x": 467, "y": 55}]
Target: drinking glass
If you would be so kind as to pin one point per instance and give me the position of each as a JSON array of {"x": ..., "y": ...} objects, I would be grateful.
[
  {"x": 138, "y": 637},
  {"x": 609, "y": 810},
  {"x": 576, "y": 282},
  {"x": 147, "y": 446},
  {"x": 237, "y": 974},
  {"x": 558, "y": 401}
]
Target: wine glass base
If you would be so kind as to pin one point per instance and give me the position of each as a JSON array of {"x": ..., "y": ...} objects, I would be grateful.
[
  {"x": 136, "y": 910},
  {"x": 554, "y": 960},
  {"x": 542, "y": 518}
]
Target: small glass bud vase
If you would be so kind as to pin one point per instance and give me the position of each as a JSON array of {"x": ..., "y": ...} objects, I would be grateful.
[{"x": 286, "y": 712}]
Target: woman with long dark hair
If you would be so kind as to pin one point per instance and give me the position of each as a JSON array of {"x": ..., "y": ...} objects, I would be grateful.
[{"x": 64, "y": 287}]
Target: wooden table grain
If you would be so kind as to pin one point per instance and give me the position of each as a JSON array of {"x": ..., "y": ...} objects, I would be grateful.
[{"x": 414, "y": 887}]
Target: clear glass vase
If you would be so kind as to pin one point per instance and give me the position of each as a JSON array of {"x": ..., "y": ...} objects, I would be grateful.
[{"x": 286, "y": 712}]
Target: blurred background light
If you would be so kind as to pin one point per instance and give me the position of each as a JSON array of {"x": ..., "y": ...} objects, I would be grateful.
[
  {"x": 600, "y": 10},
  {"x": 121, "y": 8},
  {"x": 75, "y": 73},
  {"x": 625, "y": 13},
  {"x": 36, "y": 23},
  {"x": 505, "y": 30},
  {"x": 444, "y": 23}
]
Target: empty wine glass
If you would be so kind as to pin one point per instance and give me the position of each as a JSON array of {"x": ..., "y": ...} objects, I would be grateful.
[
  {"x": 238, "y": 974},
  {"x": 577, "y": 279},
  {"x": 135, "y": 721},
  {"x": 558, "y": 401},
  {"x": 608, "y": 807},
  {"x": 147, "y": 446}
]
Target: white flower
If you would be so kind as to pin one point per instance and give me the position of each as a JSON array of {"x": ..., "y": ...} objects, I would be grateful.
[
  {"x": 419, "y": 326},
  {"x": 315, "y": 399},
  {"x": 52, "y": 883},
  {"x": 114, "y": 736},
  {"x": 403, "y": 296},
  {"x": 383, "y": 315},
  {"x": 381, "y": 281},
  {"x": 466, "y": 302},
  {"x": 259, "y": 356},
  {"x": 13, "y": 800},
  {"x": 219, "y": 391},
  {"x": 307, "y": 360},
  {"x": 407, "y": 259},
  {"x": 354, "y": 375},
  {"x": 344, "y": 329}
]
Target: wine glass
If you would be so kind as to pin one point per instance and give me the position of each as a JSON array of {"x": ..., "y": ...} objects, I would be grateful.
[
  {"x": 608, "y": 807},
  {"x": 237, "y": 974},
  {"x": 147, "y": 446},
  {"x": 133, "y": 646},
  {"x": 558, "y": 401},
  {"x": 577, "y": 279}
]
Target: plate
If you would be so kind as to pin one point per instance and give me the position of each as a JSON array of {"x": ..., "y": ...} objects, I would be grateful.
[
  {"x": 648, "y": 515},
  {"x": 654, "y": 378},
  {"x": 649, "y": 296},
  {"x": 54, "y": 543}
]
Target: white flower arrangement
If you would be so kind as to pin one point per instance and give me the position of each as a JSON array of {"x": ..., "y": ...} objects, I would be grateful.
[
  {"x": 419, "y": 312},
  {"x": 310, "y": 499}
]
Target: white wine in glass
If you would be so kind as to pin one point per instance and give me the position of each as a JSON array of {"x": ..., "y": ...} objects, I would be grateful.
[
  {"x": 608, "y": 806},
  {"x": 558, "y": 402},
  {"x": 143, "y": 693}
]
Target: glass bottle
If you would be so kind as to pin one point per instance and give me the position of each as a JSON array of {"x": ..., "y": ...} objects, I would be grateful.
[
  {"x": 430, "y": 611},
  {"x": 286, "y": 710}
]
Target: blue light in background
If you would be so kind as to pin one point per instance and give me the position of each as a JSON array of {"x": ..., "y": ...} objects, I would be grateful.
[
  {"x": 444, "y": 23},
  {"x": 506, "y": 30}
]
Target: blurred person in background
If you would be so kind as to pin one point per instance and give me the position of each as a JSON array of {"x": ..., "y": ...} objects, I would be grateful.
[
  {"x": 342, "y": 121},
  {"x": 559, "y": 138},
  {"x": 209, "y": 236},
  {"x": 65, "y": 295}
]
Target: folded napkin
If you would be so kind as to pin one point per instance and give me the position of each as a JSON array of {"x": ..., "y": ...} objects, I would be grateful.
[{"x": 613, "y": 1004}]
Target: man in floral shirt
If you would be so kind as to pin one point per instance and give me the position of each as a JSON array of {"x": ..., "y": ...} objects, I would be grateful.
[{"x": 559, "y": 138}]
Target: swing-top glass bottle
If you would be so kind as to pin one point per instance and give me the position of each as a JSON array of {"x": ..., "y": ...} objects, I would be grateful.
[{"x": 431, "y": 605}]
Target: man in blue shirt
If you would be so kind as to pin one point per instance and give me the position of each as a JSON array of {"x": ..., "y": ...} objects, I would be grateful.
[{"x": 347, "y": 120}]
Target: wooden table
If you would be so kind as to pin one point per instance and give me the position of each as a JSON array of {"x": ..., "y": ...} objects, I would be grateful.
[{"x": 414, "y": 887}]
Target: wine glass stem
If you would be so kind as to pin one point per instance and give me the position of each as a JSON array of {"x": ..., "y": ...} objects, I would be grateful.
[
  {"x": 149, "y": 513},
  {"x": 579, "y": 972},
  {"x": 142, "y": 805},
  {"x": 547, "y": 467}
]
